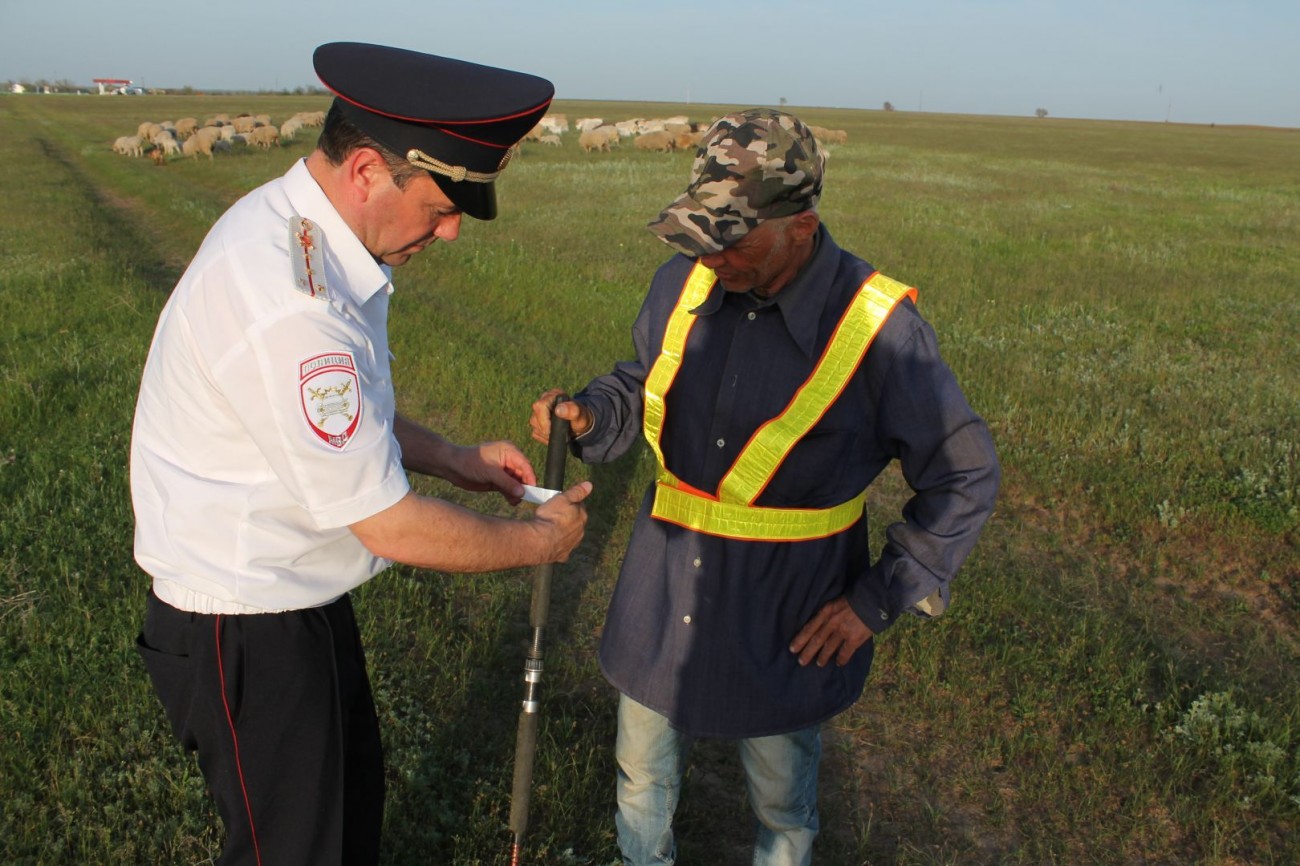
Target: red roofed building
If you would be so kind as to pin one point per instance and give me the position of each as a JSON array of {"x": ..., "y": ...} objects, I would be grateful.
[{"x": 111, "y": 85}]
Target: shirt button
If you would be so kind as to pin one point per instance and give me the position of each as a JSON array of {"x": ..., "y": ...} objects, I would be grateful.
[
  {"x": 687, "y": 619},
  {"x": 697, "y": 562},
  {"x": 752, "y": 315},
  {"x": 722, "y": 442}
]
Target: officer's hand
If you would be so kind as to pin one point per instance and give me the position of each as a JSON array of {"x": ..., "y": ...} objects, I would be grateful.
[
  {"x": 834, "y": 631},
  {"x": 497, "y": 466},
  {"x": 563, "y": 517},
  {"x": 578, "y": 416}
]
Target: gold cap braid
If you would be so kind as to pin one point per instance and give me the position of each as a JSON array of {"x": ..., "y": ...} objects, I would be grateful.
[{"x": 458, "y": 173}]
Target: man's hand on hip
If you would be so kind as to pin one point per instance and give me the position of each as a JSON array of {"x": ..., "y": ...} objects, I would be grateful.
[{"x": 835, "y": 631}]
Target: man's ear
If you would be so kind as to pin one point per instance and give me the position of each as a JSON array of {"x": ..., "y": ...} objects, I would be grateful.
[
  {"x": 805, "y": 224},
  {"x": 366, "y": 171}
]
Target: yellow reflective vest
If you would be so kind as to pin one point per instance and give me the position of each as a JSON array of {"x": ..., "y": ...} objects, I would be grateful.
[{"x": 730, "y": 511}]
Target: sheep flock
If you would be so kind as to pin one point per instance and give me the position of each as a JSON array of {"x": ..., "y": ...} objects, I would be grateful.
[
  {"x": 223, "y": 133},
  {"x": 665, "y": 135},
  {"x": 220, "y": 133}
]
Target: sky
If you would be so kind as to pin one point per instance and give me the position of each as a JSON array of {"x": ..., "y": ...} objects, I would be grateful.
[{"x": 1184, "y": 61}]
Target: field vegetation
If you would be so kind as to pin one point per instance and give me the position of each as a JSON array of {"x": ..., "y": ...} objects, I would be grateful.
[{"x": 1116, "y": 683}]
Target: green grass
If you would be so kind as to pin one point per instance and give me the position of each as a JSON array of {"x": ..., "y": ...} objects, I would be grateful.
[{"x": 1116, "y": 682}]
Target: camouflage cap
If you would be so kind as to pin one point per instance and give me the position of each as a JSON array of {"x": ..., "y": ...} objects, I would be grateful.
[{"x": 752, "y": 165}]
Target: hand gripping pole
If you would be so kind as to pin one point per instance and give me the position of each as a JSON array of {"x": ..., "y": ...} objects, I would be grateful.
[{"x": 526, "y": 740}]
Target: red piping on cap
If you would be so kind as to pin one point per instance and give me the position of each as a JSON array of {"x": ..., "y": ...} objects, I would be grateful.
[{"x": 440, "y": 124}]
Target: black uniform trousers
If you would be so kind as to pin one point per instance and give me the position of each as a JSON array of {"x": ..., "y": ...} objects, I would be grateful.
[{"x": 279, "y": 710}]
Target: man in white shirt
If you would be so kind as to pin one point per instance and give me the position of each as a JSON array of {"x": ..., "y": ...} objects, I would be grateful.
[{"x": 268, "y": 462}]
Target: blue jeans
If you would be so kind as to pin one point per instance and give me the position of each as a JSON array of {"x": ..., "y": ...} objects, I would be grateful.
[{"x": 780, "y": 778}]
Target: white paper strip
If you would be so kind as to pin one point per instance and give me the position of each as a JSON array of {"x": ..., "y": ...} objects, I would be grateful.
[{"x": 538, "y": 495}]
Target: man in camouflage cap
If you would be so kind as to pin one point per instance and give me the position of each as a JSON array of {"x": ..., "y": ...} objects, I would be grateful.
[
  {"x": 776, "y": 376},
  {"x": 753, "y": 166}
]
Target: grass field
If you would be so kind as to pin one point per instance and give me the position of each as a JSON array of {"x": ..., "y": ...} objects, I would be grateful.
[{"x": 1115, "y": 684}]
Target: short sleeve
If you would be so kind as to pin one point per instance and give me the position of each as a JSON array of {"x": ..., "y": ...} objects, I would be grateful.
[{"x": 318, "y": 401}]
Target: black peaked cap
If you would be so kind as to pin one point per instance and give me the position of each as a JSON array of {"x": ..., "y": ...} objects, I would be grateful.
[{"x": 462, "y": 117}]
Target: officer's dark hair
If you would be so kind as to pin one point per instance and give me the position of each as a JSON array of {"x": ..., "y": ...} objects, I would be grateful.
[{"x": 339, "y": 137}]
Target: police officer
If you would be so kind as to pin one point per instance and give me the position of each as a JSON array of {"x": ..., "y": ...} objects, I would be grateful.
[
  {"x": 268, "y": 461},
  {"x": 776, "y": 376}
]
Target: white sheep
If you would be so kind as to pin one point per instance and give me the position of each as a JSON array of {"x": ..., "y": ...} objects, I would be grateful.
[
  {"x": 550, "y": 138},
  {"x": 132, "y": 145},
  {"x": 687, "y": 140},
  {"x": 196, "y": 144},
  {"x": 829, "y": 136},
  {"x": 289, "y": 129},
  {"x": 591, "y": 140},
  {"x": 264, "y": 137},
  {"x": 556, "y": 124},
  {"x": 211, "y": 133},
  {"x": 660, "y": 140}
]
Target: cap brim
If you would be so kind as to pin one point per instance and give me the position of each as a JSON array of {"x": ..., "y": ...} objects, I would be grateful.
[
  {"x": 478, "y": 200},
  {"x": 690, "y": 228}
]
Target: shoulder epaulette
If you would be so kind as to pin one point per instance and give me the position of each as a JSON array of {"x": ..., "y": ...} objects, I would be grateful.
[{"x": 306, "y": 247}]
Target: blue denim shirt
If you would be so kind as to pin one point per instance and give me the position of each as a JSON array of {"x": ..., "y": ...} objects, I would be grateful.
[{"x": 699, "y": 627}]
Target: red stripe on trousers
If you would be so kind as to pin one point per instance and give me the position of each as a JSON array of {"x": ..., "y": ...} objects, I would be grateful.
[{"x": 234, "y": 737}]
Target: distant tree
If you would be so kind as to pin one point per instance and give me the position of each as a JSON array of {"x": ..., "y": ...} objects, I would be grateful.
[
  {"x": 889, "y": 106},
  {"x": 1040, "y": 112}
]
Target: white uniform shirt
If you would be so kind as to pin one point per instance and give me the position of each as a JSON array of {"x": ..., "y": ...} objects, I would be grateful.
[{"x": 264, "y": 424}]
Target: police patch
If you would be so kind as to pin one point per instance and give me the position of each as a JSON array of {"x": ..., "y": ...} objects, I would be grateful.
[{"x": 331, "y": 397}]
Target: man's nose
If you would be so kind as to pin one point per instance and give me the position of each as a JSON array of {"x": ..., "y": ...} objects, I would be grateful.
[{"x": 448, "y": 227}]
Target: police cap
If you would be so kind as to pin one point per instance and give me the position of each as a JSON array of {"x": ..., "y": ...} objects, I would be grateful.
[{"x": 458, "y": 120}]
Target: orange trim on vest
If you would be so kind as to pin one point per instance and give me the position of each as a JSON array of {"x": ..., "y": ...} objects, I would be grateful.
[{"x": 731, "y": 512}]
